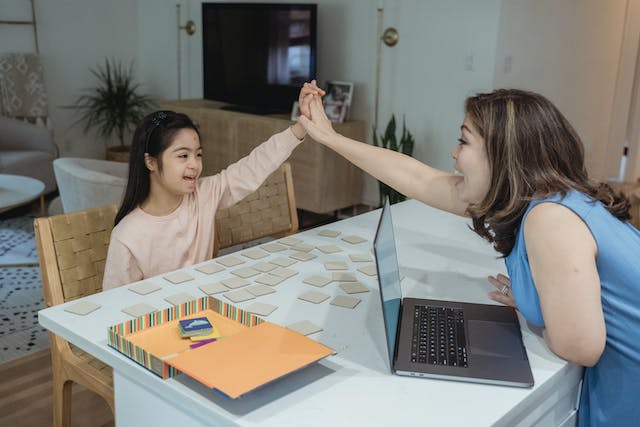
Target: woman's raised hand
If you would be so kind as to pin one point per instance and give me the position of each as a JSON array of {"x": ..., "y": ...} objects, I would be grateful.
[
  {"x": 308, "y": 89},
  {"x": 317, "y": 124},
  {"x": 503, "y": 294}
]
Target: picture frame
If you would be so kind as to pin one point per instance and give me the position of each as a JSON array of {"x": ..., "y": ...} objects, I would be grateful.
[{"x": 337, "y": 101}]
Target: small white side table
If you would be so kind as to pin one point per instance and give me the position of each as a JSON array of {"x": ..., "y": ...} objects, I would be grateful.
[{"x": 16, "y": 190}]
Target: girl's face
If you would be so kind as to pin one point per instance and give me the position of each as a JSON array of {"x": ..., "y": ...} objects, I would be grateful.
[
  {"x": 181, "y": 163},
  {"x": 471, "y": 161}
]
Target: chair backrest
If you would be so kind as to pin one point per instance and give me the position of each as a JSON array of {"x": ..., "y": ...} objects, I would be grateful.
[
  {"x": 72, "y": 250},
  {"x": 268, "y": 211}
]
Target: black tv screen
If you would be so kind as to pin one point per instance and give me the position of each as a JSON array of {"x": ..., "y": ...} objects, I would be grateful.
[{"x": 256, "y": 56}]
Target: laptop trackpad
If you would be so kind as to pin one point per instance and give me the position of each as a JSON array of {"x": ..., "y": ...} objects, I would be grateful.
[{"x": 495, "y": 339}]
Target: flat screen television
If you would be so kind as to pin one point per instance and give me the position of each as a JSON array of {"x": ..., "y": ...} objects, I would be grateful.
[{"x": 256, "y": 56}]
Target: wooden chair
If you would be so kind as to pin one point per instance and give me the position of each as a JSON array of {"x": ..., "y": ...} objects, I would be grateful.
[
  {"x": 72, "y": 249},
  {"x": 268, "y": 211}
]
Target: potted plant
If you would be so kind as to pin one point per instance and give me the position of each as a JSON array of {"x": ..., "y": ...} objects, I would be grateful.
[
  {"x": 114, "y": 107},
  {"x": 388, "y": 140}
]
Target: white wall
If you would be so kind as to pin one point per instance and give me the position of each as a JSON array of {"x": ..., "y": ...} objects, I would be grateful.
[{"x": 569, "y": 51}]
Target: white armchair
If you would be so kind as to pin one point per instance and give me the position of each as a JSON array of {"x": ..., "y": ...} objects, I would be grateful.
[{"x": 89, "y": 183}]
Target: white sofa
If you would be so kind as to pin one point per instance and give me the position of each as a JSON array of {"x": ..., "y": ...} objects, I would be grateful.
[{"x": 89, "y": 183}]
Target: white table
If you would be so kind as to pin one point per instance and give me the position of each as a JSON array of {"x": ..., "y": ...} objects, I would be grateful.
[
  {"x": 440, "y": 257},
  {"x": 16, "y": 190}
]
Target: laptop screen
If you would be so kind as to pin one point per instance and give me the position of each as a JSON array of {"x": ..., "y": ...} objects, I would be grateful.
[{"x": 384, "y": 248}]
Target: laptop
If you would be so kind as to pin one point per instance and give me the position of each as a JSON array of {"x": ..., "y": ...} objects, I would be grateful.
[{"x": 446, "y": 339}]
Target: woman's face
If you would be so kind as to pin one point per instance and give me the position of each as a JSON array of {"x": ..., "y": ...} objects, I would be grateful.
[
  {"x": 182, "y": 163},
  {"x": 471, "y": 162}
]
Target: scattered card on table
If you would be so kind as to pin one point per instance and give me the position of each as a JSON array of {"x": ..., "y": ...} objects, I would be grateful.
[
  {"x": 313, "y": 296},
  {"x": 317, "y": 280},
  {"x": 82, "y": 308},
  {"x": 282, "y": 261},
  {"x": 302, "y": 256},
  {"x": 213, "y": 288},
  {"x": 230, "y": 261},
  {"x": 261, "y": 308},
  {"x": 353, "y": 287},
  {"x": 303, "y": 247},
  {"x": 234, "y": 282},
  {"x": 369, "y": 270},
  {"x": 245, "y": 272},
  {"x": 360, "y": 257},
  {"x": 329, "y": 233},
  {"x": 336, "y": 265},
  {"x": 255, "y": 254},
  {"x": 180, "y": 298},
  {"x": 178, "y": 277},
  {"x": 343, "y": 277},
  {"x": 264, "y": 267},
  {"x": 354, "y": 239},
  {"x": 283, "y": 272},
  {"x": 239, "y": 296},
  {"x": 209, "y": 268},
  {"x": 138, "y": 310},
  {"x": 305, "y": 327},
  {"x": 329, "y": 249},
  {"x": 144, "y": 288},
  {"x": 345, "y": 301},
  {"x": 259, "y": 290},
  {"x": 274, "y": 247},
  {"x": 270, "y": 279},
  {"x": 290, "y": 241}
]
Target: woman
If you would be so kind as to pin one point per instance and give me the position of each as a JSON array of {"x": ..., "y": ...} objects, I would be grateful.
[{"x": 571, "y": 255}]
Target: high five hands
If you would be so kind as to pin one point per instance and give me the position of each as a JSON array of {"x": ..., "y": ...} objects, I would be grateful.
[{"x": 313, "y": 117}]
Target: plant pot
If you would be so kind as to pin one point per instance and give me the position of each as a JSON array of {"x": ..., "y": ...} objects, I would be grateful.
[{"x": 119, "y": 153}]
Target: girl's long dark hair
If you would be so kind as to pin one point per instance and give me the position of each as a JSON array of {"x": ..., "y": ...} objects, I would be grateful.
[
  {"x": 533, "y": 152},
  {"x": 153, "y": 135}
]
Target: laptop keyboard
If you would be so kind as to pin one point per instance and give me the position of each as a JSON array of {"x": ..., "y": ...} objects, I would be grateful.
[{"x": 438, "y": 336}]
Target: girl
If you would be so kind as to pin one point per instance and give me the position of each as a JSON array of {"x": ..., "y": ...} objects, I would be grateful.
[
  {"x": 571, "y": 255},
  {"x": 166, "y": 220}
]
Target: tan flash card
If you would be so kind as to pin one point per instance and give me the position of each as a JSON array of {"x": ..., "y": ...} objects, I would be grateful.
[
  {"x": 329, "y": 233},
  {"x": 274, "y": 247},
  {"x": 285, "y": 273},
  {"x": 305, "y": 327},
  {"x": 239, "y": 296},
  {"x": 82, "y": 308},
  {"x": 354, "y": 239},
  {"x": 313, "y": 296},
  {"x": 345, "y": 301},
  {"x": 180, "y": 298},
  {"x": 302, "y": 256},
  {"x": 138, "y": 310},
  {"x": 213, "y": 288},
  {"x": 178, "y": 277},
  {"x": 261, "y": 308},
  {"x": 230, "y": 261},
  {"x": 329, "y": 249},
  {"x": 316, "y": 280},
  {"x": 264, "y": 267},
  {"x": 144, "y": 288},
  {"x": 255, "y": 254},
  {"x": 234, "y": 282},
  {"x": 369, "y": 270},
  {"x": 270, "y": 279},
  {"x": 259, "y": 290},
  {"x": 336, "y": 265},
  {"x": 303, "y": 247},
  {"x": 290, "y": 241},
  {"x": 360, "y": 257},
  {"x": 209, "y": 268},
  {"x": 353, "y": 287},
  {"x": 282, "y": 261},
  {"x": 245, "y": 272},
  {"x": 343, "y": 277}
]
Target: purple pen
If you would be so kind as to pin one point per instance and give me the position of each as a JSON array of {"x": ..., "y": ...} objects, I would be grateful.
[{"x": 203, "y": 342}]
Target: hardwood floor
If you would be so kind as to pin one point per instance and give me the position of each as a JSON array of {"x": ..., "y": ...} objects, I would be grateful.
[{"x": 25, "y": 396}]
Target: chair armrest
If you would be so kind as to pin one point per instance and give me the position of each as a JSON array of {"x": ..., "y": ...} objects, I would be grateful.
[{"x": 16, "y": 135}]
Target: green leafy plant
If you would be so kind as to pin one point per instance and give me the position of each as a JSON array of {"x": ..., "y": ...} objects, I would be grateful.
[
  {"x": 114, "y": 106},
  {"x": 388, "y": 140}
]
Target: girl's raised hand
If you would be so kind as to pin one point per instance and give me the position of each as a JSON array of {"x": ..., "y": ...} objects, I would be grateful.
[
  {"x": 318, "y": 125},
  {"x": 308, "y": 89}
]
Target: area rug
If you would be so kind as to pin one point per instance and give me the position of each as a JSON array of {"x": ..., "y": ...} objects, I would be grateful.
[{"x": 17, "y": 243}]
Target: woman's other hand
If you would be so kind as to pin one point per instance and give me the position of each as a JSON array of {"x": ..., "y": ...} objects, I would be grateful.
[
  {"x": 503, "y": 294},
  {"x": 317, "y": 124}
]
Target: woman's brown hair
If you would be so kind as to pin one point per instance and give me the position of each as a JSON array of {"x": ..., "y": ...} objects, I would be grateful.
[{"x": 533, "y": 153}]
